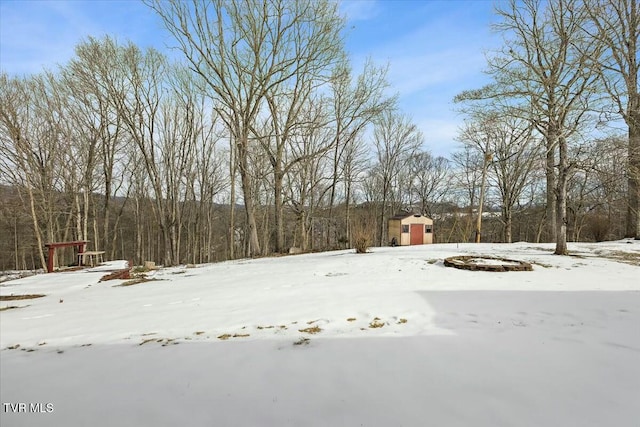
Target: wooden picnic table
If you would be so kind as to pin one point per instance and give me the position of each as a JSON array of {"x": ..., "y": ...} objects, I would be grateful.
[{"x": 80, "y": 244}]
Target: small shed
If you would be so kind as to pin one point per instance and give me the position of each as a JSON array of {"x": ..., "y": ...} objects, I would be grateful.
[{"x": 410, "y": 229}]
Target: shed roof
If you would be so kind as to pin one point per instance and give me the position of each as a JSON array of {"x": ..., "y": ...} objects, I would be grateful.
[{"x": 403, "y": 215}]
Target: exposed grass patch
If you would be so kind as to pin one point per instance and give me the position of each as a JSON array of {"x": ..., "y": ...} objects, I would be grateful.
[
  {"x": 122, "y": 274},
  {"x": 135, "y": 281},
  {"x": 631, "y": 258},
  {"x": 11, "y": 307},
  {"x": 577, "y": 255},
  {"x": 312, "y": 330},
  {"x": 541, "y": 264},
  {"x": 402, "y": 320},
  {"x": 198, "y": 333},
  {"x": 376, "y": 323},
  {"x": 227, "y": 336},
  {"x": 302, "y": 341},
  {"x": 351, "y": 319},
  {"x": 164, "y": 341},
  {"x": 265, "y": 327},
  {"x": 20, "y": 297},
  {"x": 432, "y": 261}
]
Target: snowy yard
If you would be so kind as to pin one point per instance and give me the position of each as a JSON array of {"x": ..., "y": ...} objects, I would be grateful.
[{"x": 389, "y": 338}]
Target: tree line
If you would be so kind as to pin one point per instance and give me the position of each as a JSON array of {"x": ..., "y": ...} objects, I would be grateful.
[{"x": 263, "y": 137}]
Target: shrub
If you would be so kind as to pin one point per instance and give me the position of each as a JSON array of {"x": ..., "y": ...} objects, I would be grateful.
[
  {"x": 361, "y": 245},
  {"x": 361, "y": 238},
  {"x": 598, "y": 227}
]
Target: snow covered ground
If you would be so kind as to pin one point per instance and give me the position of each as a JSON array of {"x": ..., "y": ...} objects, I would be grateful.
[{"x": 388, "y": 338}]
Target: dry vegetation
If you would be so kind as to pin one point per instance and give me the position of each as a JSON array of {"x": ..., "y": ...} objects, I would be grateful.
[
  {"x": 376, "y": 323},
  {"x": 632, "y": 258},
  {"x": 11, "y": 307},
  {"x": 20, "y": 297},
  {"x": 135, "y": 281},
  {"x": 311, "y": 330},
  {"x": 225, "y": 337}
]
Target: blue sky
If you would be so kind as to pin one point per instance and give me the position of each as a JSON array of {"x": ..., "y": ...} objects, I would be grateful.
[{"x": 435, "y": 48}]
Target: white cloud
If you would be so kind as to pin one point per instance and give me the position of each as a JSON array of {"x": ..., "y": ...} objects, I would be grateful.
[
  {"x": 410, "y": 72},
  {"x": 439, "y": 134},
  {"x": 34, "y": 35},
  {"x": 37, "y": 34}
]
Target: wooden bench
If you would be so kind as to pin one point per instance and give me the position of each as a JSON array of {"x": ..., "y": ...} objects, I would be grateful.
[{"x": 95, "y": 257}]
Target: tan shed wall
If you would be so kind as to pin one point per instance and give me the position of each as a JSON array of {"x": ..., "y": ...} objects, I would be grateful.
[
  {"x": 405, "y": 239},
  {"x": 428, "y": 237},
  {"x": 395, "y": 230}
]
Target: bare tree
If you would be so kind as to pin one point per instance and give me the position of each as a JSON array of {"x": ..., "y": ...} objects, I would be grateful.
[
  {"x": 207, "y": 181},
  {"x": 356, "y": 102},
  {"x": 241, "y": 51},
  {"x": 396, "y": 139},
  {"x": 510, "y": 153},
  {"x": 29, "y": 137},
  {"x": 319, "y": 47},
  {"x": 150, "y": 124},
  {"x": 616, "y": 24},
  {"x": 466, "y": 176},
  {"x": 88, "y": 76},
  {"x": 430, "y": 180},
  {"x": 306, "y": 180},
  {"x": 547, "y": 71}
]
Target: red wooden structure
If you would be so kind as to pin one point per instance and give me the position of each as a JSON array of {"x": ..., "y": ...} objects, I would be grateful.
[{"x": 52, "y": 248}]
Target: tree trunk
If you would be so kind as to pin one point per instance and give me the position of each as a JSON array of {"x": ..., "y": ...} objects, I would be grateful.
[
  {"x": 561, "y": 203},
  {"x": 633, "y": 209},
  {"x": 485, "y": 165},
  {"x": 507, "y": 217},
  {"x": 550, "y": 212},
  {"x": 347, "y": 214},
  {"x": 232, "y": 209},
  {"x": 253, "y": 247},
  {"x": 36, "y": 228},
  {"x": 383, "y": 212},
  {"x": 278, "y": 211}
]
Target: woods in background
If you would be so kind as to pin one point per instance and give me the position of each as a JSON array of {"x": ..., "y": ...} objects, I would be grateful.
[{"x": 264, "y": 137}]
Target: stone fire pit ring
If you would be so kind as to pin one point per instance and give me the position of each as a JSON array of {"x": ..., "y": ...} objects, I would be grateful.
[{"x": 486, "y": 263}]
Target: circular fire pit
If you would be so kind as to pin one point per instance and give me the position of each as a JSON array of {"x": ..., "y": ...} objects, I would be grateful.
[{"x": 486, "y": 263}]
